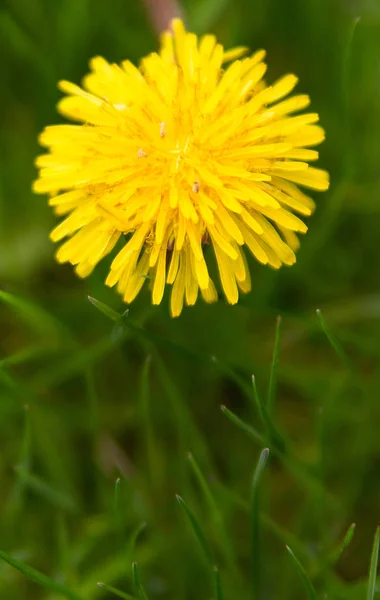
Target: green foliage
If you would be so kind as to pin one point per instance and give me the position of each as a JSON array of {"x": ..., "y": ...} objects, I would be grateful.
[
  {"x": 373, "y": 566},
  {"x": 40, "y": 578},
  {"x": 308, "y": 586},
  {"x": 115, "y": 591},
  {"x": 255, "y": 523},
  {"x": 108, "y": 412}
]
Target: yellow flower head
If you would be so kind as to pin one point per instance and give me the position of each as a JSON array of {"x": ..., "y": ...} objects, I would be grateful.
[{"x": 178, "y": 157}]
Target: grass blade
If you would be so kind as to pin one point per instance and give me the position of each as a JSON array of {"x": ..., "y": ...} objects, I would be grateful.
[
  {"x": 272, "y": 432},
  {"x": 154, "y": 464},
  {"x": 93, "y": 401},
  {"x": 76, "y": 362},
  {"x": 205, "y": 14},
  {"x": 309, "y": 588},
  {"x": 137, "y": 582},
  {"x": 373, "y": 565},
  {"x": 55, "y": 497},
  {"x": 16, "y": 498},
  {"x": 203, "y": 484},
  {"x": 63, "y": 546},
  {"x": 25, "y": 355},
  {"x": 332, "y": 339},
  {"x": 273, "y": 373},
  {"x": 294, "y": 466},
  {"x": 134, "y": 537},
  {"x": 255, "y": 521},
  {"x": 343, "y": 545},
  {"x": 253, "y": 433},
  {"x": 19, "y": 42},
  {"x": 188, "y": 431},
  {"x": 157, "y": 341},
  {"x": 40, "y": 578},
  {"x": 115, "y": 591},
  {"x": 346, "y": 98},
  {"x": 35, "y": 316},
  {"x": 26, "y": 442},
  {"x": 215, "y": 513},
  {"x": 283, "y": 535},
  {"x": 196, "y": 529},
  {"x": 119, "y": 329},
  {"x": 103, "y": 308},
  {"x": 117, "y": 506},
  {"x": 218, "y": 584}
]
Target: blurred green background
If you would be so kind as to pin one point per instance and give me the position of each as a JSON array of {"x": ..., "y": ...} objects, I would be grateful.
[{"x": 82, "y": 405}]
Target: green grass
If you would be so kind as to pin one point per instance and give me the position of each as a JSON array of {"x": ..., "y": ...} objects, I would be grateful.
[{"x": 108, "y": 415}]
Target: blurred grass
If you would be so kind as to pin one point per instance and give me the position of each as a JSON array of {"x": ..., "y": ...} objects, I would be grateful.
[{"x": 82, "y": 405}]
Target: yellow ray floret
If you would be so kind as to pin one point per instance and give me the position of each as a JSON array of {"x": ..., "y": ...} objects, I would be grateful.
[{"x": 178, "y": 158}]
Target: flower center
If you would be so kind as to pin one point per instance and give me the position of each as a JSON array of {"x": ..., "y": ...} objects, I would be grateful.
[{"x": 179, "y": 154}]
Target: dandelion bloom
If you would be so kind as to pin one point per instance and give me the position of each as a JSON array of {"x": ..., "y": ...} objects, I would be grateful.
[{"x": 178, "y": 159}]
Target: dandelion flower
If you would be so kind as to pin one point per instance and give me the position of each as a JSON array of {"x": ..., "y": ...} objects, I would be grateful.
[{"x": 189, "y": 155}]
